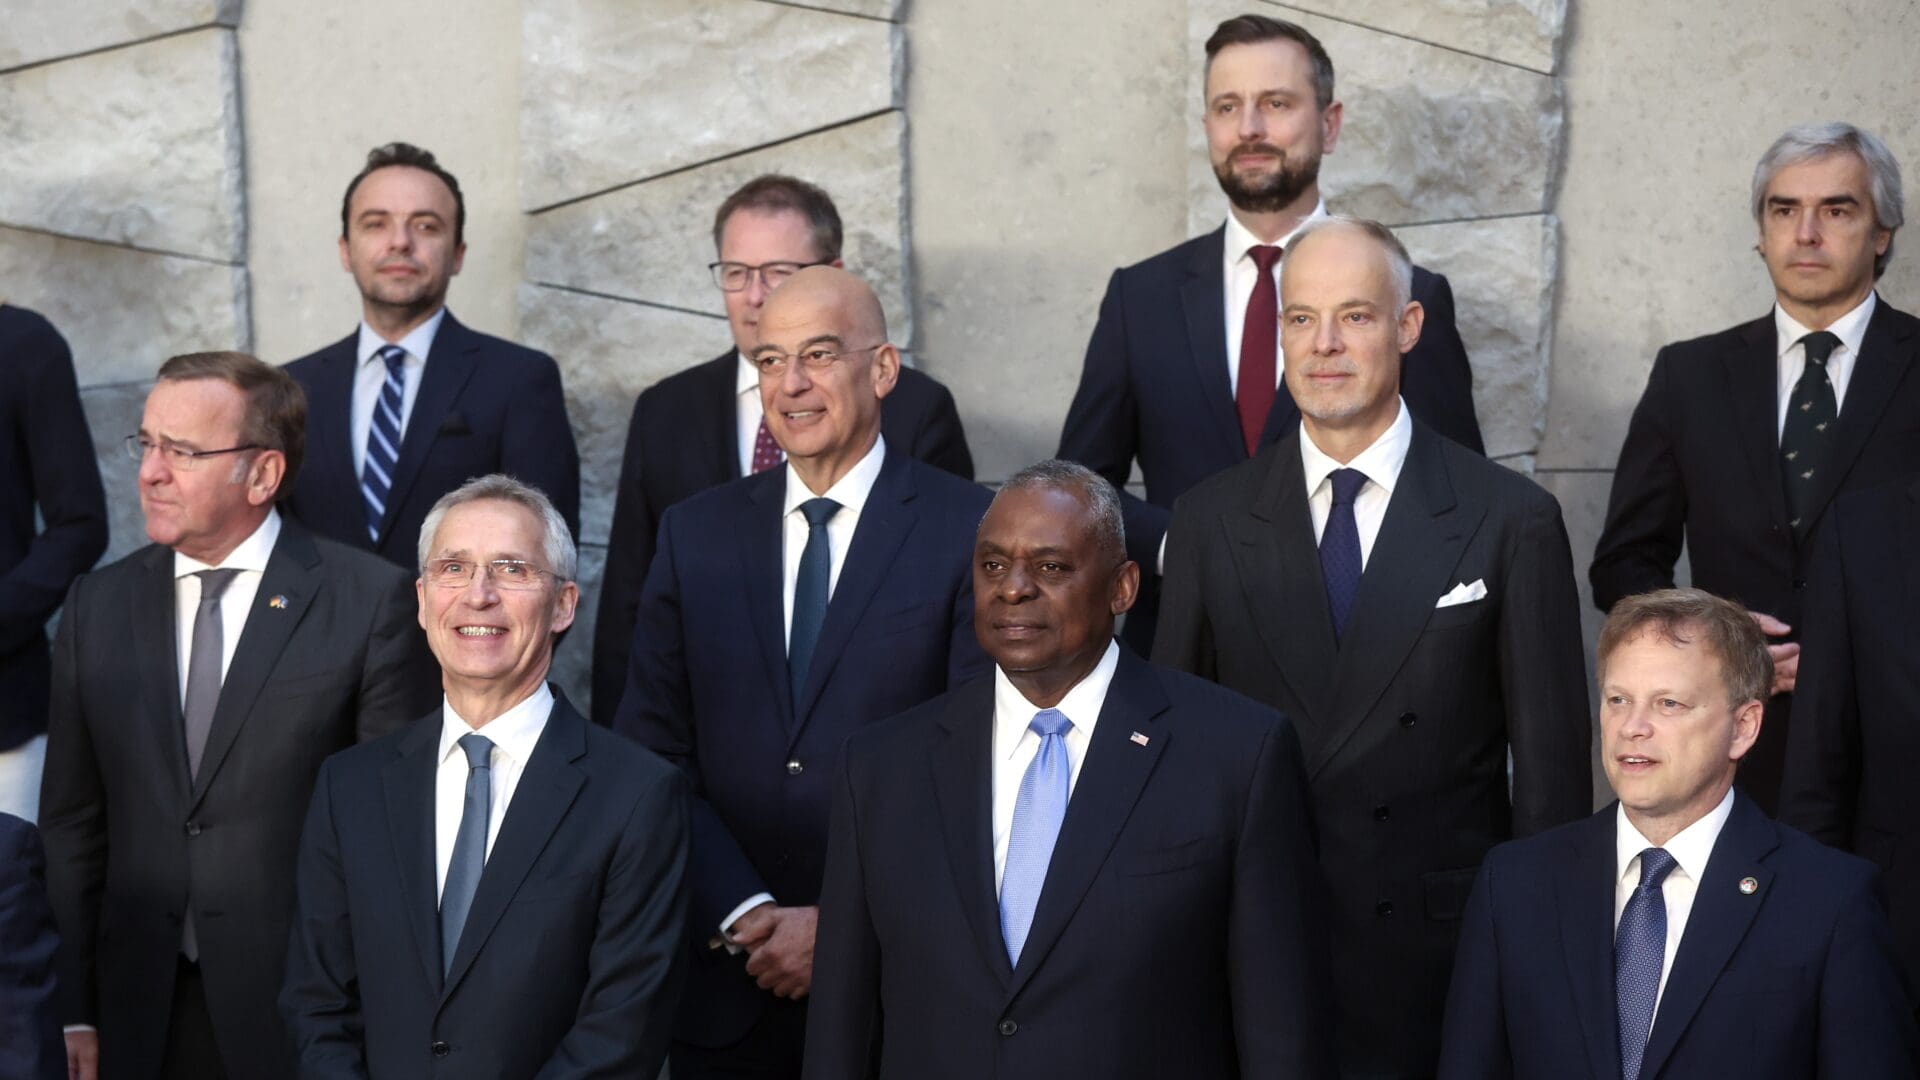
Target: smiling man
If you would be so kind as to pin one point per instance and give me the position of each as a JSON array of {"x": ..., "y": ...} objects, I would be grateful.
[
  {"x": 1081, "y": 865},
  {"x": 1678, "y": 933},
  {"x": 1743, "y": 438},
  {"x": 498, "y": 890}
]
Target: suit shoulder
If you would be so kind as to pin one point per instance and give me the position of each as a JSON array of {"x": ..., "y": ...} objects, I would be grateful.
[
  {"x": 903, "y": 733},
  {"x": 1827, "y": 868},
  {"x": 723, "y": 505},
  {"x": 304, "y": 368},
  {"x": 1694, "y": 349},
  {"x": 369, "y": 757},
  {"x": 1537, "y": 855},
  {"x": 961, "y": 495},
  {"x": 1169, "y": 264},
  {"x": 357, "y": 566},
  {"x": 917, "y": 391},
  {"x": 27, "y": 334},
  {"x": 1220, "y": 705},
  {"x": 1230, "y": 488},
  {"x": 1507, "y": 488},
  {"x": 637, "y": 766},
  {"x": 687, "y": 385}
]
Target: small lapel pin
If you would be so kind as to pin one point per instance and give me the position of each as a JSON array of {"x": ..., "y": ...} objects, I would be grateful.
[
  {"x": 1748, "y": 886},
  {"x": 1139, "y": 739},
  {"x": 277, "y": 601}
]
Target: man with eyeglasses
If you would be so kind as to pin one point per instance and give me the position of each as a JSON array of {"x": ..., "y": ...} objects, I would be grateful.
[
  {"x": 702, "y": 427},
  {"x": 197, "y": 684},
  {"x": 783, "y": 612},
  {"x": 497, "y": 890}
]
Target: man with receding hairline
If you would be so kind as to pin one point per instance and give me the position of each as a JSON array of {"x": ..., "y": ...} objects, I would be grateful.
[{"x": 782, "y": 612}]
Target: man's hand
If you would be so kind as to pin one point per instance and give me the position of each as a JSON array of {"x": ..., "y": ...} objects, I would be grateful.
[
  {"x": 782, "y": 959},
  {"x": 752, "y": 929},
  {"x": 1786, "y": 657},
  {"x": 83, "y": 1055}
]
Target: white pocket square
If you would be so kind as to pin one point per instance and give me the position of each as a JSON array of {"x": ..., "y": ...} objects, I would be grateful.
[{"x": 1464, "y": 593}]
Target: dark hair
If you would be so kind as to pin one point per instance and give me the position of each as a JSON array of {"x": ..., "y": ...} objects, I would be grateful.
[
  {"x": 399, "y": 153},
  {"x": 1678, "y": 616},
  {"x": 1253, "y": 29},
  {"x": 774, "y": 192},
  {"x": 276, "y": 405},
  {"x": 1102, "y": 501}
]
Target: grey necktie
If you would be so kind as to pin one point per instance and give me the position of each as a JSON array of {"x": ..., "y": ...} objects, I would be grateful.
[
  {"x": 469, "y": 846},
  {"x": 203, "y": 664}
]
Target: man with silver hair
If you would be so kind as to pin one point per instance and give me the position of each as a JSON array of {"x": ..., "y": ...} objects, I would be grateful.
[
  {"x": 1743, "y": 438},
  {"x": 496, "y": 890}
]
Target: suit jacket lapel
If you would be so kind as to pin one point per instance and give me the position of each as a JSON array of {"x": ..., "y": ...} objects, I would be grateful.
[
  {"x": 1279, "y": 568},
  {"x": 408, "y": 780},
  {"x": 1752, "y": 372},
  {"x": 1721, "y": 915},
  {"x": 153, "y": 616},
  {"x": 1420, "y": 542},
  {"x": 763, "y": 573},
  {"x": 547, "y": 787},
  {"x": 1908, "y": 516},
  {"x": 1203, "y": 300},
  {"x": 450, "y": 362},
  {"x": 721, "y": 454},
  {"x": 962, "y": 782},
  {"x": 330, "y": 419},
  {"x": 293, "y": 572},
  {"x": 1111, "y": 778},
  {"x": 1583, "y": 896},
  {"x": 1886, "y": 353}
]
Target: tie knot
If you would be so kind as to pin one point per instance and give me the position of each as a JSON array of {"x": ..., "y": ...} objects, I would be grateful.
[
  {"x": 819, "y": 511},
  {"x": 479, "y": 750},
  {"x": 1820, "y": 345},
  {"x": 1346, "y": 484},
  {"x": 1655, "y": 865},
  {"x": 213, "y": 583},
  {"x": 394, "y": 356},
  {"x": 1264, "y": 256},
  {"x": 1048, "y": 722}
]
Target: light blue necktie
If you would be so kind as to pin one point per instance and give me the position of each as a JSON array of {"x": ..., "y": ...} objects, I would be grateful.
[
  {"x": 469, "y": 845},
  {"x": 1037, "y": 813},
  {"x": 383, "y": 440},
  {"x": 810, "y": 592},
  {"x": 1639, "y": 951}
]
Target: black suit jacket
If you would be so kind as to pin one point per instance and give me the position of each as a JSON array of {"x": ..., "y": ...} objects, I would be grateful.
[
  {"x": 1155, "y": 389},
  {"x": 48, "y": 466},
  {"x": 568, "y": 963},
  {"x": 31, "y": 1047},
  {"x": 130, "y": 836},
  {"x": 1701, "y": 465},
  {"x": 1792, "y": 979},
  {"x": 1855, "y": 740},
  {"x": 1407, "y": 723},
  {"x": 708, "y": 689},
  {"x": 684, "y": 439},
  {"x": 484, "y": 406},
  {"x": 1179, "y": 932}
]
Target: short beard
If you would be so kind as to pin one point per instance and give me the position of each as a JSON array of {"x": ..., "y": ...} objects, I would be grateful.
[{"x": 1271, "y": 193}]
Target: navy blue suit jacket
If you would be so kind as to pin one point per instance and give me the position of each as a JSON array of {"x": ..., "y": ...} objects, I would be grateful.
[
  {"x": 1179, "y": 932},
  {"x": 707, "y": 685},
  {"x": 47, "y": 468},
  {"x": 1155, "y": 390},
  {"x": 484, "y": 406},
  {"x": 569, "y": 961},
  {"x": 1795, "y": 979},
  {"x": 31, "y": 1047}
]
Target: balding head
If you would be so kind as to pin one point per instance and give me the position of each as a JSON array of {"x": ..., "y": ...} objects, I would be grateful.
[{"x": 825, "y": 364}]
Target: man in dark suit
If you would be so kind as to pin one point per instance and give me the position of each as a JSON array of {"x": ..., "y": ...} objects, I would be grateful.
[
  {"x": 1855, "y": 747},
  {"x": 782, "y": 612},
  {"x": 702, "y": 427},
  {"x": 30, "y": 1044},
  {"x": 497, "y": 891},
  {"x": 53, "y": 525},
  {"x": 197, "y": 685},
  {"x": 1411, "y": 607},
  {"x": 1126, "y": 886},
  {"x": 1181, "y": 373},
  {"x": 1678, "y": 933},
  {"x": 413, "y": 404},
  {"x": 1744, "y": 437}
]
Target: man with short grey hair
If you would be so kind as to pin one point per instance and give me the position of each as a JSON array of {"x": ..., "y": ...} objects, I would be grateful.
[{"x": 1743, "y": 438}]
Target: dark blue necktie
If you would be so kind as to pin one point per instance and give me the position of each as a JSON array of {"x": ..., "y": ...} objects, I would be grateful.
[
  {"x": 1639, "y": 950},
  {"x": 1340, "y": 547},
  {"x": 810, "y": 592},
  {"x": 1809, "y": 430},
  {"x": 383, "y": 440},
  {"x": 1038, "y": 811},
  {"x": 469, "y": 845}
]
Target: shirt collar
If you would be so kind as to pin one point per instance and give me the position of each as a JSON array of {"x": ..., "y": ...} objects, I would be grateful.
[
  {"x": 746, "y": 377},
  {"x": 417, "y": 342},
  {"x": 1239, "y": 238},
  {"x": 252, "y": 554},
  {"x": 850, "y": 491},
  {"x": 513, "y": 732},
  {"x": 1850, "y": 328},
  {"x": 1381, "y": 462},
  {"x": 1012, "y": 712},
  {"x": 1690, "y": 847}
]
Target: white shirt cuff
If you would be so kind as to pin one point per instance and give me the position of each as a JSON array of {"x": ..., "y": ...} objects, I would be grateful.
[
  {"x": 726, "y": 924},
  {"x": 71, "y": 1028}
]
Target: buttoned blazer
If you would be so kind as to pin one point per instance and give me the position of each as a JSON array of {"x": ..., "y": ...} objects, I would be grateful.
[
  {"x": 331, "y": 654},
  {"x": 1406, "y": 723},
  {"x": 682, "y": 440},
  {"x": 1785, "y": 969}
]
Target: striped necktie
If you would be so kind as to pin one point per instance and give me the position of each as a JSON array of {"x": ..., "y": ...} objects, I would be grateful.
[{"x": 383, "y": 441}]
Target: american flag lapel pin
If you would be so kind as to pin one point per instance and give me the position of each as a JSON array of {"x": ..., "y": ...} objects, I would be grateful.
[
  {"x": 1139, "y": 739},
  {"x": 277, "y": 601}
]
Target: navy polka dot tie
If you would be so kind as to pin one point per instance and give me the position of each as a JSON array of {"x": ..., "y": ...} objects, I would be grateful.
[
  {"x": 1340, "y": 547},
  {"x": 1639, "y": 950}
]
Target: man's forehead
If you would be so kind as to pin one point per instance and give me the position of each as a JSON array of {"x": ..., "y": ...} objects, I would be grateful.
[
  {"x": 1274, "y": 64},
  {"x": 1835, "y": 174}
]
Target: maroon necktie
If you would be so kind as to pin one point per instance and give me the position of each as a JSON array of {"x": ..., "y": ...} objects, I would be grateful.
[
  {"x": 766, "y": 452},
  {"x": 1259, "y": 341}
]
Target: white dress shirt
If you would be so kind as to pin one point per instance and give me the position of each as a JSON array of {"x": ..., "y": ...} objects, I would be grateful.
[
  {"x": 1240, "y": 274},
  {"x": 250, "y": 558},
  {"x": 851, "y": 492},
  {"x": 1849, "y": 328},
  {"x": 1690, "y": 848},
  {"x": 747, "y": 412},
  {"x": 1381, "y": 462},
  {"x": 370, "y": 377},
  {"x": 513, "y": 734},
  {"x": 1015, "y": 744}
]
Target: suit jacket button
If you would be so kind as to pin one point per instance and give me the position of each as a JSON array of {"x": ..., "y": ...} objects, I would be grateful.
[
  {"x": 1008, "y": 1027},
  {"x": 1381, "y": 812},
  {"x": 1799, "y": 583},
  {"x": 794, "y": 768},
  {"x": 193, "y": 828},
  {"x": 1383, "y": 908},
  {"x": 1407, "y": 719},
  {"x": 441, "y": 1049}
]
